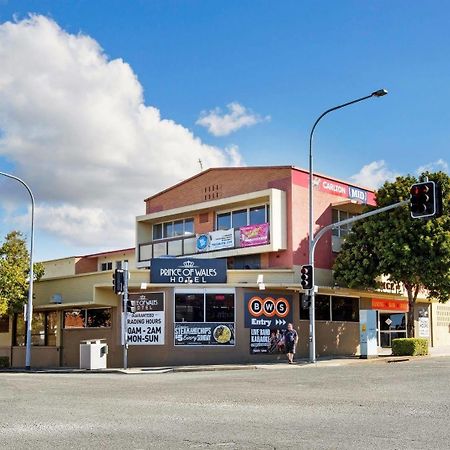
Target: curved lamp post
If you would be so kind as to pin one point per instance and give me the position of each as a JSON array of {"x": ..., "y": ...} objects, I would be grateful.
[
  {"x": 31, "y": 275},
  {"x": 312, "y": 334}
]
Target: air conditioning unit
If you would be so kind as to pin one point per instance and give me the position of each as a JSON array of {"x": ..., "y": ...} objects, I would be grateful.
[{"x": 56, "y": 298}]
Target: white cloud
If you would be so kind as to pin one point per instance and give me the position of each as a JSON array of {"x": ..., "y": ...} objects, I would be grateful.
[
  {"x": 238, "y": 116},
  {"x": 436, "y": 166},
  {"x": 75, "y": 127},
  {"x": 374, "y": 174}
]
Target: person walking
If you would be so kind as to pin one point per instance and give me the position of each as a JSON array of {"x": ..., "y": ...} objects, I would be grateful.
[{"x": 290, "y": 342}]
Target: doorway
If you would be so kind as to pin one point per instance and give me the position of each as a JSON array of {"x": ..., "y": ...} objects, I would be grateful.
[{"x": 390, "y": 326}]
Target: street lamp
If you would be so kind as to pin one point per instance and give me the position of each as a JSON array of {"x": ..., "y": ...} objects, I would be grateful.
[
  {"x": 312, "y": 334},
  {"x": 30, "y": 288}
]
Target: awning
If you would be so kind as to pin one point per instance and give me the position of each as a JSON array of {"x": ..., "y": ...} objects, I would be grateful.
[{"x": 351, "y": 206}]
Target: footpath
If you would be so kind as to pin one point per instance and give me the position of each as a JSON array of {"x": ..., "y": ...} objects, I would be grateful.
[{"x": 299, "y": 364}]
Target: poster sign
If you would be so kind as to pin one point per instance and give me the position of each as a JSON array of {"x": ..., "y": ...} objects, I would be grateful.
[
  {"x": 146, "y": 325},
  {"x": 204, "y": 333},
  {"x": 266, "y": 341},
  {"x": 424, "y": 327},
  {"x": 215, "y": 240},
  {"x": 188, "y": 270},
  {"x": 267, "y": 311},
  {"x": 252, "y": 235}
]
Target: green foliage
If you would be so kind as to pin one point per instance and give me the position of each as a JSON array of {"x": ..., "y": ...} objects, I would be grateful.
[
  {"x": 415, "y": 252},
  {"x": 410, "y": 347},
  {"x": 4, "y": 362},
  {"x": 14, "y": 273}
]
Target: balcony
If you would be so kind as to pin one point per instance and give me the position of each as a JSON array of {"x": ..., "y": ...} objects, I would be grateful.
[{"x": 218, "y": 242}]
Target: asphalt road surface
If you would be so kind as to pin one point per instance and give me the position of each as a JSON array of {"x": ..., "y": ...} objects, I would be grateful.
[{"x": 402, "y": 405}]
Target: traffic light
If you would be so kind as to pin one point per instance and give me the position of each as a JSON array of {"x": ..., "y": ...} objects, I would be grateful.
[
  {"x": 425, "y": 200},
  {"x": 118, "y": 281},
  {"x": 307, "y": 276},
  {"x": 131, "y": 306},
  {"x": 306, "y": 302}
]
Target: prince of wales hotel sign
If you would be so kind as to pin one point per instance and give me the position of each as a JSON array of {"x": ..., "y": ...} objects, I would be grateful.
[{"x": 188, "y": 270}]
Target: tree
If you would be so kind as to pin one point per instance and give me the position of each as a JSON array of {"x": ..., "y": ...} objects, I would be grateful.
[
  {"x": 14, "y": 273},
  {"x": 414, "y": 252}
]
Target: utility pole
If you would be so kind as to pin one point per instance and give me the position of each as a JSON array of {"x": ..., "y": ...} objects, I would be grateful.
[{"x": 125, "y": 314}]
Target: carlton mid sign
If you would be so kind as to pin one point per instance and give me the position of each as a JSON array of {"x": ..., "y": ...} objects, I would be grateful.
[
  {"x": 267, "y": 311},
  {"x": 188, "y": 270}
]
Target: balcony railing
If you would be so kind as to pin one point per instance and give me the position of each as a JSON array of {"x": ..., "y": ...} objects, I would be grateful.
[{"x": 185, "y": 246}]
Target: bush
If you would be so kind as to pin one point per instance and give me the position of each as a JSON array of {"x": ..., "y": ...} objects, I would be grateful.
[
  {"x": 4, "y": 362},
  {"x": 410, "y": 347}
]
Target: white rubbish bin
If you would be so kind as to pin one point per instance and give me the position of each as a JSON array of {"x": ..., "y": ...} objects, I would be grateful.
[{"x": 93, "y": 354}]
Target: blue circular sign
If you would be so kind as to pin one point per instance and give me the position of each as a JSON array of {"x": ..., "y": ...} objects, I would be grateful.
[{"x": 202, "y": 242}]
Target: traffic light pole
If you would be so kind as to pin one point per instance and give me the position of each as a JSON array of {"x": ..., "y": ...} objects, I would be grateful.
[
  {"x": 314, "y": 241},
  {"x": 124, "y": 314}
]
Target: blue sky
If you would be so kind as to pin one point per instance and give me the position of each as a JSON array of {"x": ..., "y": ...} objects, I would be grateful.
[{"x": 282, "y": 63}]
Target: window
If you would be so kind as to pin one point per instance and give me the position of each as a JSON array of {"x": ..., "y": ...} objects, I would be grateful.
[
  {"x": 258, "y": 215},
  {"x": 242, "y": 217},
  {"x": 87, "y": 318},
  {"x": 224, "y": 221},
  {"x": 219, "y": 307},
  {"x": 106, "y": 266},
  {"x": 4, "y": 324},
  {"x": 121, "y": 264},
  {"x": 176, "y": 228},
  {"x": 345, "y": 309},
  {"x": 239, "y": 218},
  {"x": 337, "y": 216},
  {"x": 204, "y": 307},
  {"x": 43, "y": 329},
  {"x": 322, "y": 307},
  {"x": 339, "y": 309},
  {"x": 189, "y": 308}
]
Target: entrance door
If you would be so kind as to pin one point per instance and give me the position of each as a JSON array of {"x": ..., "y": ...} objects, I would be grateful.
[{"x": 391, "y": 326}]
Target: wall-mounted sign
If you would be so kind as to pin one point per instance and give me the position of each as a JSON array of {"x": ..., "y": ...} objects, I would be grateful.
[
  {"x": 267, "y": 311},
  {"x": 215, "y": 240},
  {"x": 424, "y": 327},
  {"x": 390, "y": 305},
  {"x": 266, "y": 341},
  {"x": 146, "y": 325},
  {"x": 254, "y": 235},
  {"x": 343, "y": 190},
  {"x": 188, "y": 270},
  {"x": 204, "y": 333}
]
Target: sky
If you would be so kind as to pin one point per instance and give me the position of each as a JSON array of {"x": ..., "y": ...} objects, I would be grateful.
[{"x": 105, "y": 103}]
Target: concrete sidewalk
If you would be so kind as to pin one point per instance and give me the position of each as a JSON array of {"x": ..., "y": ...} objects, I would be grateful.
[{"x": 326, "y": 361}]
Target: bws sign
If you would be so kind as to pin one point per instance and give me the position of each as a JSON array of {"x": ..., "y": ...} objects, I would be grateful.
[{"x": 268, "y": 311}]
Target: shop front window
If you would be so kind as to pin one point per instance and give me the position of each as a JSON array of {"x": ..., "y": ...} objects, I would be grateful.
[
  {"x": 322, "y": 307},
  {"x": 219, "y": 307},
  {"x": 4, "y": 324},
  {"x": 87, "y": 318},
  {"x": 345, "y": 309},
  {"x": 339, "y": 309},
  {"x": 43, "y": 329},
  {"x": 204, "y": 307},
  {"x": 189, "y": 308}
]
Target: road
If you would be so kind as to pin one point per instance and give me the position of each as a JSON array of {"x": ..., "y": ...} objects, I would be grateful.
[{"x": 401, "y": 405}]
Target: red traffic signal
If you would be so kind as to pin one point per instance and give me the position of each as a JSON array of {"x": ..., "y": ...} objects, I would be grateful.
[
  {"x": 306, "y": 276},
  {"x": 425, "y": 199}
]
